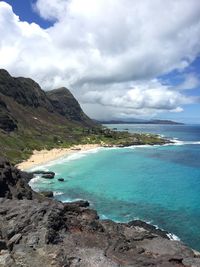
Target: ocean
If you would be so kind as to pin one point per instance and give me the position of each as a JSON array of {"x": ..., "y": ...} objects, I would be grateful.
[{"x": 157, "y": 184}]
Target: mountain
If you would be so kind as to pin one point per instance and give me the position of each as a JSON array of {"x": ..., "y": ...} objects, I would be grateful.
[
  {"x": 31, "y": 118},
  {"x": 165, "y": 122},
  {"x": 135, "y": 121},
  {"x": 66, "y": 105},
  {"x": 28, "y": 94}
]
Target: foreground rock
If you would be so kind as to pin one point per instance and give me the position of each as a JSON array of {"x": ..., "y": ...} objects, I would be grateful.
[
  {"x": 48, "y": 176},
  {"x": 61, "y": 179},
  {"x": 47, "y": 193},
  {"x": 37, "y": 231}
]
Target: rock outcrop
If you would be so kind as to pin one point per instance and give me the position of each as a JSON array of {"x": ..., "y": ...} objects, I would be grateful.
[
  {"x": 65, "y": 104},
  {"x": 38, "y": 231},
  {"x": 7, "y": 123},
  {"x": 14, "y": 183}
]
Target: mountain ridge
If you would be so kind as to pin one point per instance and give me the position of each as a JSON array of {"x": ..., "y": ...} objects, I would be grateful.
[
  {"x": 27, "y": 92},
  {"x": 155, "y": 121},
  {"x": 31, "y": 118}
]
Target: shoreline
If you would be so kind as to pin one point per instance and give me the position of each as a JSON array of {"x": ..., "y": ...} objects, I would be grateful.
[
  {"x": 56, "y": 225},
  {"x": 40, "y": 157},
  {"x": 58, "y": 153}
]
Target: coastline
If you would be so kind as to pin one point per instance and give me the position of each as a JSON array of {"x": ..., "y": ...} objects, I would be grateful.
[
  {"x": 86, "y": 239},
  {"x": 40, "y": 157}
]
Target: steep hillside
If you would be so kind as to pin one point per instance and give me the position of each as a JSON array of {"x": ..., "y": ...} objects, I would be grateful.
[
  {"x": 66, "y": 105},
  {"x": 7, "y": 123},
  {"x": 33, "y": 119},
  {"x": 24, "y": 91}
]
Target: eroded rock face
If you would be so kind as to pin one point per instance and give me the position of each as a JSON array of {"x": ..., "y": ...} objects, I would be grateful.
[
  {"x": 38, "y": 231},
  {"x": 66, "y": 105},
  {"x": 13, "y": 183},
  {"x": 26, "y": 92},
  {"x": 7, "y": 122}
]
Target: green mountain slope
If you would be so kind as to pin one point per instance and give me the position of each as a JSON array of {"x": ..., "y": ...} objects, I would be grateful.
[{"x": 33, "y": 119}]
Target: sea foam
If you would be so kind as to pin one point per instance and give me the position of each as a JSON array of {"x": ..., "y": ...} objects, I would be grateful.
[
  {"x": 57, "y": 193},
  {"x": 177, "y": 142},
  {"x": 173, "y": 237}
]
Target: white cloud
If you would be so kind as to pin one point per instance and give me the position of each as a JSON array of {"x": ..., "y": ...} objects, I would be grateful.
[
  {"x": 98, "y": 44},
  {"x": 51, "y": 10},
  {"x": 142, "y": 99},
  {"x": 191, "y": 81}
]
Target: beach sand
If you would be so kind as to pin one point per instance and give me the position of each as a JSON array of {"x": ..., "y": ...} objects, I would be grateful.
[{"x": 44, "y": 156}]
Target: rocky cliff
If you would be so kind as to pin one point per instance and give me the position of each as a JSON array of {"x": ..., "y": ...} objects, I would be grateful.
[
  {"x": 65, "y": 104},
  {"x": 37, "y": 231},
  {"x": 27, "y": 93}
]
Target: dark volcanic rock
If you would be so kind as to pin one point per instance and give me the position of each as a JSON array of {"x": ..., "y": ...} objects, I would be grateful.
[
  {"x": 47, "y": 193},
  {"x": 38, "y": 231},
  {"x": 13, "y": 183},
  {"x": 61, "y": 179},
  {"x": 66, "y": 105},
  {"x": 150, "y": 228},
  {"x": 7, "y": 122},
  {"x": 48, "y": 175},
  {"x": 81, "y": 203},
  {"x": 23, "y": 104},
  {"x": 23, "y": 90},
  {"x": 3, "y": 245}
]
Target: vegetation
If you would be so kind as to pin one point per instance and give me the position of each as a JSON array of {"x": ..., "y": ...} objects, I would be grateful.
[
  {"x": 31, "y": 119},
  {"x": 19, "y": 145}
]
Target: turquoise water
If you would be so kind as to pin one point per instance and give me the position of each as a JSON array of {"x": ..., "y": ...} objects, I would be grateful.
[{"x": 158, "y": 184}]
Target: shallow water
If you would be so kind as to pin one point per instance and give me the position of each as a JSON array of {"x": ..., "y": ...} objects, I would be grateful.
[{"x": 158, "y": 184}]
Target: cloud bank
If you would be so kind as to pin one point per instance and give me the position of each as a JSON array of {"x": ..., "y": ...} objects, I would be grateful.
[{"x": 108, "y": 52}]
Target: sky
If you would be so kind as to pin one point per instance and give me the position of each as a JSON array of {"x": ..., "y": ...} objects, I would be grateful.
[{"x": 122, "y": 59}]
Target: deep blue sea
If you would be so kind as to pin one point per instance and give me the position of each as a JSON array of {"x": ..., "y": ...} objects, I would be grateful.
[{"x": 157, "y": 184}]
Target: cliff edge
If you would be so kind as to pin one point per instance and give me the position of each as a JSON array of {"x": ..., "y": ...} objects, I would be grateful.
[{"x": 38, "y": 231}]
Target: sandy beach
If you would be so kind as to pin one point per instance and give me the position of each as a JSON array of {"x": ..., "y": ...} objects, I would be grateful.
[{"x": 44, "y": 156}]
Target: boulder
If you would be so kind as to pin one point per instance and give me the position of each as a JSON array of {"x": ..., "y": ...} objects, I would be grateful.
[
  {"x": 14, "y": 240},
  {"x": 61, "y": 179},
  {"x": 48, "y": 175}
]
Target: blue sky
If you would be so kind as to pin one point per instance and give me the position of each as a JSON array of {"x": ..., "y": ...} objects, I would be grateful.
[
  {"x": 120, "y": 61},
  {"x": 191, "y": 112},
  {"x": 24, "y": 9}
]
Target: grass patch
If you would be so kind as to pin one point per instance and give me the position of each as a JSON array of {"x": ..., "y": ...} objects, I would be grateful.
[{"x": 19, "y": 145}]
